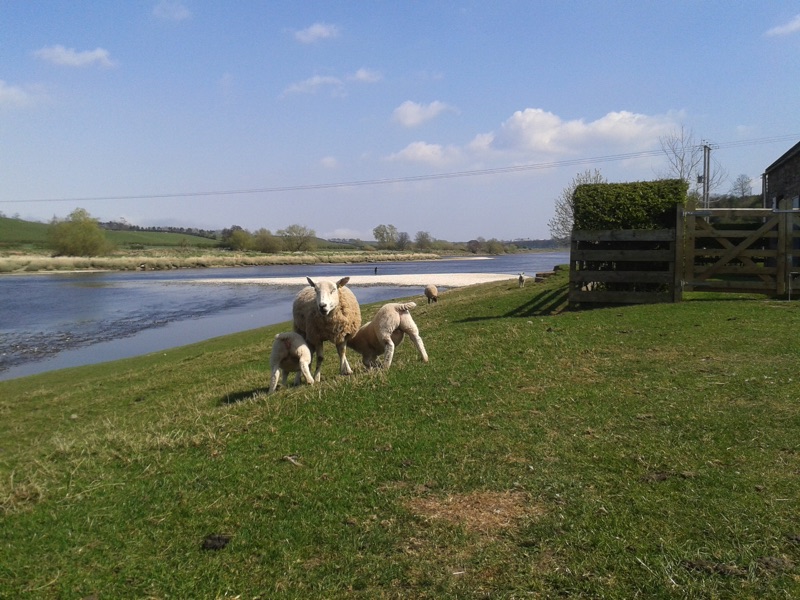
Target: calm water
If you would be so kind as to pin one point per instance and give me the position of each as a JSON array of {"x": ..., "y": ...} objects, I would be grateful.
[{"x": 56, "y": 321}]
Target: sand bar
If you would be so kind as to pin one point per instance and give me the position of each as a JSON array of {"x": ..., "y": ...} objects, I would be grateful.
[{"x": 448, "y": 280}]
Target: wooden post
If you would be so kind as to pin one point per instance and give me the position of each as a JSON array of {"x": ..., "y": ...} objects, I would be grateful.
[
  {"x": 678, "y": 266},
  {"x": 783, "y": 252}
]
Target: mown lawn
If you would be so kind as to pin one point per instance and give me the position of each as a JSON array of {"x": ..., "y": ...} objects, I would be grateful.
[{"x": 648, "y": 451}]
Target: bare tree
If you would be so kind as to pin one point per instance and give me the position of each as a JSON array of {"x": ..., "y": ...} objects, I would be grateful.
[
  {"x": 685, "y": 160},
  {"x": 423, "y": 240},
  {"x": 564, "y": 216},
  {"x": 742, "y": 187}
]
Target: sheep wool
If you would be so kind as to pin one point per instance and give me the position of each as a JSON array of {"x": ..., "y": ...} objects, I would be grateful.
[
  {"x": 385, "y": 332},
  {"x": 327, "y": 312},
  {"x": 431, "y": 293},
  {"x": 290, "y": 354}
]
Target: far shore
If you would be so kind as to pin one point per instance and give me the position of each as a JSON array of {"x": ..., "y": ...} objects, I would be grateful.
[{"x": 448, "y": 280}]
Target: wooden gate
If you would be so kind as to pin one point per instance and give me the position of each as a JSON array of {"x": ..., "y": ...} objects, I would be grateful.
[{"x": 741, "y": 250}]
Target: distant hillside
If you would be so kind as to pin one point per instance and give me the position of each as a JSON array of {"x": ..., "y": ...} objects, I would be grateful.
[{"x": 15, "y": 232}]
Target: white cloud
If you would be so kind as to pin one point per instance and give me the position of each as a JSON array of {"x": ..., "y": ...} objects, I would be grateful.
[
  {"x": 171, "y": 10},
  {"x": 69, "y": 57},
  {"x": 537, "y": 130},
  {"x": 431, "y": 154},
  {"x": 412, "y": 114},
  {"x": 366, "y": 76},
  {"x": 316, "y": 32},
  {"x": 789, "y": 28},
  {"x": 329, "y": 162},
  {"x": 13, "y": 96},
  {"x": 313, "y": 84}
]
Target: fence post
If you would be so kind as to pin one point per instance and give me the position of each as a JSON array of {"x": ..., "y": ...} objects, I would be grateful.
[
  {"x": 783, "y": 253},
  {"x": 678, "y": 267}
]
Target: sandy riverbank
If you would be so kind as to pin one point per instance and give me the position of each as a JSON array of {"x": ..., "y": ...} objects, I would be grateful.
[{"x": 447, "y": 280}]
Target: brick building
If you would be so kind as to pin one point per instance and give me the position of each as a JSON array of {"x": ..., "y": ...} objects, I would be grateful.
[{"x": 781, "y": 180}]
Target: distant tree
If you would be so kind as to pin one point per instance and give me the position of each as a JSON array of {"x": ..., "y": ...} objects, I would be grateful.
[
  {"x": 742, "y": 187},
  {"x": 495, "y": 246},
  {"x": 685, "y": 160},
  {"x": 264, "y": 241},
  {"x": 236, "y": 238},
  {"x": 403, "y": 241},
  {"x": 474, "y": 246},
  {"x": 297, "y": 238},
  {"x": 423, "y": 240},
  {"x": 386, "y": 236},
  {"x": 564, "y": 215},
  {"x": 78, "y": 235},
  {"x": 240, "y": 240}
]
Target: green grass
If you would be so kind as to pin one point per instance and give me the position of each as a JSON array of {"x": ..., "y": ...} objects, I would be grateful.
[{"x": 647, "y": 451}]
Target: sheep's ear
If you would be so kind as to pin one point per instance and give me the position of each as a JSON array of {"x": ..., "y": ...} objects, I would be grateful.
[
  {"x": 342, "y": 282},
  {"x": 311, "y": 283}
]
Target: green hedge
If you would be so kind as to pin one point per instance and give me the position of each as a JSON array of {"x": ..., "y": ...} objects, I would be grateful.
[{"x": 638, "y": 205}]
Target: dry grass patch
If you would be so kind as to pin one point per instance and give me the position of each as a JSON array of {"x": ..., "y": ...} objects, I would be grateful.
[{"x": 478, "y": 512}]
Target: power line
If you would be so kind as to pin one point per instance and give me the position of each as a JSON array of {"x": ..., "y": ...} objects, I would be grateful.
[{"x": 408, "y": 179}]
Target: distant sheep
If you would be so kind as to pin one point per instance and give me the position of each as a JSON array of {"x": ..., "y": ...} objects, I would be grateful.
[
  {"x": 522, "y": 279},
  {"x": 384, "y": 332},
  {"x": 431, "y": 293},
  {"x": 327, "y": 312},
  {"x": 290, "y": 354}
]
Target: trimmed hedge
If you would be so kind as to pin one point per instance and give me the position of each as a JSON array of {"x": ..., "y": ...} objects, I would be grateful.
[{"x": 637, "y": 205}]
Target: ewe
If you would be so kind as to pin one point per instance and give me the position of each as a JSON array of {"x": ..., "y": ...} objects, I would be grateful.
[
  {"x": 384, "y": 332},
  {"x": 327, "y": 312},
  {"x": 431, "y": 293},
  {"x": 290, "y": 354}
]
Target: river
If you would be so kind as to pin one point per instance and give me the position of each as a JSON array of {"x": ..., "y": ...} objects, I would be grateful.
[{"x": 55, "y": 321}]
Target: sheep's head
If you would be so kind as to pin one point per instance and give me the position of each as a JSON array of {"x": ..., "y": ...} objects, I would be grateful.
[{"x": 327, "y": 294}]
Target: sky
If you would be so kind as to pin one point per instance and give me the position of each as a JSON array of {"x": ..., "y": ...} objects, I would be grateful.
[{"x": 457, "y": 118}]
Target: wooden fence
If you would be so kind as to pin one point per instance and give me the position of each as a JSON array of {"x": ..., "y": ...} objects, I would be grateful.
[{"x": 723, "y": 250}]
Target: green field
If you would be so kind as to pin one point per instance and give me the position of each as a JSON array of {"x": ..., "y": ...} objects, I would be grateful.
[{"x": 646, "y": 451}]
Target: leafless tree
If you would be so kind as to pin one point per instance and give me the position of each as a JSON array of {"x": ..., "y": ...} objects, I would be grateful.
[
  {"x": 742, "y": 187},
  {"x": 564, "y": 215},
  {"x": 685, "y": 160}
]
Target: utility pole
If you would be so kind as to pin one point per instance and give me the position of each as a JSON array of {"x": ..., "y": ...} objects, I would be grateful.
[{"x": 706, "y": 173}]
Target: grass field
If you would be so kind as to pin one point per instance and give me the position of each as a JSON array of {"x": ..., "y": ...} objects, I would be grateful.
[{"x": 647, "y": 451}]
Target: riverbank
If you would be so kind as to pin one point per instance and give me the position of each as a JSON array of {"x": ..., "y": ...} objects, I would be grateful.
[
  {"x": 449, "y": 280},
  {"x": 22, "y": 263}
]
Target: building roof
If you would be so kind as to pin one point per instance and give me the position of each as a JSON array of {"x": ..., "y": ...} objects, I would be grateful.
[{"x": 791, "y": 153}]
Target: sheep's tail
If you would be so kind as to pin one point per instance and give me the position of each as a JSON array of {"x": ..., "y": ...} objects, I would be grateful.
[{"x": 406, "y": 307}]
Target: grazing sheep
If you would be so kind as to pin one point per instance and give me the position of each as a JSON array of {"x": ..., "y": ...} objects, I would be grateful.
[
  {"x": 431, "y": 293},
  {"x": 522, "y": 279},
  {"x": 327, "y": 312},
  {"x": 290, "y": 354},
  {"x": 384, "y": 332}
]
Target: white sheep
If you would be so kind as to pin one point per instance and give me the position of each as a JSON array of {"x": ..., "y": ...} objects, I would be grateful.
[
  {"x": 384, "y": 332},
  {"x": 290, "y": 354},
  {"x": 431, "y": 293},
  {"x": 327, "y": 312},
  {"x": 522, "y": 279}
]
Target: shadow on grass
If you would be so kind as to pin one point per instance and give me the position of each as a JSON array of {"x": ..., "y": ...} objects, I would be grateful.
[
  {"x": 242, "y": 396},
  {"x": 545, "y": 303}
]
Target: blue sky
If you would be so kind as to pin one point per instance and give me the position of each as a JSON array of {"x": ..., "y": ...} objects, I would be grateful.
[{"x": 341, "y": 116}]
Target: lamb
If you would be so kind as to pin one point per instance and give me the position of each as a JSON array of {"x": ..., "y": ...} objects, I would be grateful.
[
  {"x": 327, "y": 312},
  {"x": 290, "y": 354},
  {"x": 384, "y": 332},
  {"x": 431, "y": 293},
  {"x": 522, "y": 279}
]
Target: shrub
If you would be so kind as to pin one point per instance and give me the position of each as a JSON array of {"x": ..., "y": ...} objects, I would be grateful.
[{"x": 78, "y": 235}]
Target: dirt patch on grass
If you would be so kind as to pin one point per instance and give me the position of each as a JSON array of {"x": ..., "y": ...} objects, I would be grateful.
[{"x": 481, "y": 512}]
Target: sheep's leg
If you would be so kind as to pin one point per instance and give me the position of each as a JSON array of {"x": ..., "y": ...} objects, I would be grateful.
[
  {"x": 304, "y": 369},
  {"x": 273, "y": 382},
  {"x": 320, "y": 357},
  {"x": 417, "y": 341},
  {"x": 388, "y": 353},
  {"x": 344, "y": 366}
]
